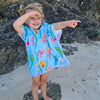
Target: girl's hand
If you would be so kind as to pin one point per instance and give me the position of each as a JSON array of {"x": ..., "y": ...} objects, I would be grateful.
[
  {"x": 70, "y": 23},
  {"x": 34, "y": 13},
  {"x": 73, "y": 23}
]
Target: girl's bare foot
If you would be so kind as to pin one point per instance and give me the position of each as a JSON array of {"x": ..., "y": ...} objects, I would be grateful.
[
  {"x": 35, "y": 98},
  {"x": 47, "y": 98}
]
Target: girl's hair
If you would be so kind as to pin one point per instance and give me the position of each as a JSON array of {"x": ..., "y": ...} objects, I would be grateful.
[{"x": 32, "y": 6}]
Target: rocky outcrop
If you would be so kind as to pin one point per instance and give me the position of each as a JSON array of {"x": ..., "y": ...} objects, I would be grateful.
[
  {"x": 53, "y": 91},
  {"x": 12, "y": 49}
]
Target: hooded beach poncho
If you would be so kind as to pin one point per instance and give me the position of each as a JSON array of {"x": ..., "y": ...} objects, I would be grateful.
[{"x": 43, "y": 48}]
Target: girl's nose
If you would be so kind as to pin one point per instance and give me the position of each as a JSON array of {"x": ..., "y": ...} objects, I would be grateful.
[{"x": 36, "y": 19}]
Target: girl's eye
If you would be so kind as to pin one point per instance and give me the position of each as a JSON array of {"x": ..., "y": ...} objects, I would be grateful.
[
  {"x": 32, "y": 18},
  {"x": 39, "y": 18}
]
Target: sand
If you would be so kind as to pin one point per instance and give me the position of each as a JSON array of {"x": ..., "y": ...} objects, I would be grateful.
[{"x": 79, "y": 81}]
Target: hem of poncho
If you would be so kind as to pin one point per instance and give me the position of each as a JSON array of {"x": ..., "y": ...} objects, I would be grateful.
[{"x": 52, "y": 69}]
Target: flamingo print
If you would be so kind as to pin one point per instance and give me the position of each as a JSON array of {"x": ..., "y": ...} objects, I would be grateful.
[
  {"x": 49, "y": 68},
  {"x": 26, "y": 44},
  {"x": 41, "y": 52},
  {"x": 43, "y": 38},
  {"x": 54, "y": 40}
]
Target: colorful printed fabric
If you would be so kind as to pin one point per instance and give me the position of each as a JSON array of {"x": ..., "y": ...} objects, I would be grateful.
[
  {"x": 57, "y": 33},
  {"x": 43, "y": 49}
]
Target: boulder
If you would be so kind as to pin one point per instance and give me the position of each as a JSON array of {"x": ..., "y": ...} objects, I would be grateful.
[{"x": 53, "y": 91}]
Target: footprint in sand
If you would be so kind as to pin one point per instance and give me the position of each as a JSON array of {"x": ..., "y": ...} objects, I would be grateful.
[{"x": 98, "y": 77}]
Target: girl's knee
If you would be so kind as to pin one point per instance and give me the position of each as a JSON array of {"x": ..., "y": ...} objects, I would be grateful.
[
  {"x": 44, "y": 77},
  {"x": 36, "y": 80},
  {"x": 43, "y": 81}
]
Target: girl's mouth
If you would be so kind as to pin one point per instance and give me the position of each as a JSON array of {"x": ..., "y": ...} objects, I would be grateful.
[{"x": 36, "y": 24}]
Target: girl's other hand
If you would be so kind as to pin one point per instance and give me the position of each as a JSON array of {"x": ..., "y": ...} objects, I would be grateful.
[{"x": 73, "y": 23}]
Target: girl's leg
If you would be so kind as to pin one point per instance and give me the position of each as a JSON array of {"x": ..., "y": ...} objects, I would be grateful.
[
  {"x": 35, "y": 85},
  {"x": 43, "y": 85}
]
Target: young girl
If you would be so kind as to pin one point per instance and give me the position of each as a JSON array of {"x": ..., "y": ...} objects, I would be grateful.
[{"x": 43, "y": 49}]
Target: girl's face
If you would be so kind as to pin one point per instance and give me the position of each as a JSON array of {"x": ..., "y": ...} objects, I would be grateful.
[{"x": 34, "y": 21}]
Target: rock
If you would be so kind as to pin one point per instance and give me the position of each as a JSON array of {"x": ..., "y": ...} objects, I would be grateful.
[
  {"x": 53, "y": 90},
  {"x": 69, "y": 50},
  {"x": 12, "y": 49}
]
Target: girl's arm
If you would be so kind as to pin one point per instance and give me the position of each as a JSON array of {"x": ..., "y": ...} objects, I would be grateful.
[
  {"x": 70, "y": 23},
  {"x": 21, "y": 20}
]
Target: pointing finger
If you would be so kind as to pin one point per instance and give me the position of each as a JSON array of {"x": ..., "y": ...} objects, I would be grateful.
[{"x": 78, "y": 21}]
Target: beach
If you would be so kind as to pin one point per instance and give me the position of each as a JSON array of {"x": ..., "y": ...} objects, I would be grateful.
[{"x": 79, "y": 81}]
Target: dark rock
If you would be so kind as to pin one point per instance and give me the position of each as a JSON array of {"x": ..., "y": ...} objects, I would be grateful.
[
  {"x": 69, "y": 50},
  {"x": 84, "y": 4},
  {"x": 53, "y": 91},
  {"x": 92, "y": 33},
  {"x": 12, "y": 49}
]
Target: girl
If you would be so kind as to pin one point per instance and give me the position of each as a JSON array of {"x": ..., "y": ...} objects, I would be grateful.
[{"x": 43, "y": 49}]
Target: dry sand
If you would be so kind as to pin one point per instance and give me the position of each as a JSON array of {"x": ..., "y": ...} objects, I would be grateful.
[{"x": 79, "y": 81}]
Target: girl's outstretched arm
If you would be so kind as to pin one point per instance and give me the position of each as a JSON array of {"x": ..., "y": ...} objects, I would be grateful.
[
  {"x": 21, "y": 20},
  {"x": 70, "y": 23}
]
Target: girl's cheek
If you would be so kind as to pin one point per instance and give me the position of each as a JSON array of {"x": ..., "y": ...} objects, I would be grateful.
[{"x": 40, "y": 20}]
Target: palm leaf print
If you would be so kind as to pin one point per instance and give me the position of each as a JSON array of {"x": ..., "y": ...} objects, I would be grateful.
[
  {"x": 25, "y": 31},
  {"x": 37, "y": 55},
  {"x": 51, "y": 31},
  {"x": 30, "y": 67},
  {"x": 53, "y": 56},
  {"x": 59, "y": 50},
  {"x": 40, "y": 69},
  {"x": 40, "y": 33},
  {"x": 31, "y": 59},
  {"x": 48, "y": 43},
  {"x": 46, "y": 64}
]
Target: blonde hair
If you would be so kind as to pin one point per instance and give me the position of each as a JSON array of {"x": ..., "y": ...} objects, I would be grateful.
[{"x": 32, "y": 6}]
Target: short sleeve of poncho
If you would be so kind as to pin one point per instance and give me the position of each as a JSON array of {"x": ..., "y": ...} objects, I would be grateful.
[{"x": 57, "y": 33}]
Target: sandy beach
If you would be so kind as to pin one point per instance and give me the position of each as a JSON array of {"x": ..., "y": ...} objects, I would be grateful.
[{"x": 79, "y": 81}]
